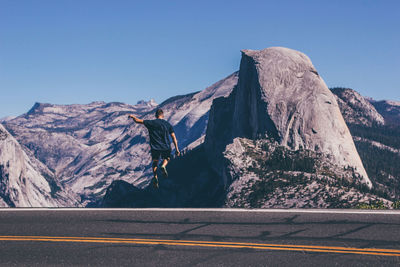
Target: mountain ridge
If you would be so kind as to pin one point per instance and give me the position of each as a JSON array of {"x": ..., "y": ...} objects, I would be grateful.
[{"x": 91, "y": 145}]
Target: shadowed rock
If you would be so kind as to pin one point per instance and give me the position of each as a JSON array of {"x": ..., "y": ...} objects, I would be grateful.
[{"x": 123, "y": 194}]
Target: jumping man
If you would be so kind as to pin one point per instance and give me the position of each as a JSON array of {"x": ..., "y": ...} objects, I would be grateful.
[{"x": 160, "y": 144}]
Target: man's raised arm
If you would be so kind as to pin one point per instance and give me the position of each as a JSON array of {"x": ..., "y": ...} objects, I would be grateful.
[
  {"x": 137, "y": 120},
  {"x": 177, "y": 152}
]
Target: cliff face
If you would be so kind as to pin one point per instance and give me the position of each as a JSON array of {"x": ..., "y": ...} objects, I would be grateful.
[
  {"x": 356, "y": 109},
  {"x": 281, "y": 96},
  {"x": 24, "y": 181}
]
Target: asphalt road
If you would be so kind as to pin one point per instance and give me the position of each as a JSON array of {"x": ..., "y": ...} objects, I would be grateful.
[{"x": 115, "y": 237}]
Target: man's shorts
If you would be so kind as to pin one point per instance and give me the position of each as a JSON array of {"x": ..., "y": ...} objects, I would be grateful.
[{"x": 164, "y": 154}]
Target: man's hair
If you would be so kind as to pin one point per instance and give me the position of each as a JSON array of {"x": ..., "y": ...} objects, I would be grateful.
[{"x": 159, "y": 112}]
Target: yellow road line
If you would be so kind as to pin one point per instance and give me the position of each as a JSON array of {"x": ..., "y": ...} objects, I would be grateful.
[
  {"x": 208, "y": 242},
  {"x": 326, "y": 249}
]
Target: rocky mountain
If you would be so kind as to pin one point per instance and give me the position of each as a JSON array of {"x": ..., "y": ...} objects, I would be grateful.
[
  {"x": 356, "y": 109},
  {"x": 89, "y": 146},
  {"x": 68, "y": 138},
  {"x": 281, "y": 96},
  {"x": 267, "y": 175},
  {"x": 26, "y": 182},
  {"x": 375, "y": 127}
]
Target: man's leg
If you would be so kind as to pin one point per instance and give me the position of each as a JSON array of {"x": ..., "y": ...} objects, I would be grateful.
[
  {"x": 155, "y": 166},
  {"x": 155, "y": 179},
  {"x": 166, "y": 156},
  {"x": 164, "y": 163},
  {"x": 163, "y": 168}
]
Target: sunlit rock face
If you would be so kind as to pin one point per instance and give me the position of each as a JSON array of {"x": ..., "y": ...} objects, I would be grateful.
[
  {"x": 24, "y": 181},
  {"x": 281, "y": 96},
  {"x": 356, "y": 109}
]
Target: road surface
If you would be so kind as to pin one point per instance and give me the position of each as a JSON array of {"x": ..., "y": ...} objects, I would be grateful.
[{"x": 190, "y": 237}]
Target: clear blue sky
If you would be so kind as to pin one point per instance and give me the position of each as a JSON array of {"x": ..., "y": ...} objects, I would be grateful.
[{"x": 79, "y": 51}]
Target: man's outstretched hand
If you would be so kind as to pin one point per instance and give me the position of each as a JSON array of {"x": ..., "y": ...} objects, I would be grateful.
[
  {"x": 135, "y": 119},
  {"x": 177, "y": 153}
]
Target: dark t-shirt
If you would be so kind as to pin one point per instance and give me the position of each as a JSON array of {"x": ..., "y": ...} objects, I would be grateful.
[{"x": 159, "y": 131}]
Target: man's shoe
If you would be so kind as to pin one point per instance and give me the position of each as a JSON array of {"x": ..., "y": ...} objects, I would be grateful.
[
  {"x": 155, "y": 182},
  {"x": 164, "y": 171}
]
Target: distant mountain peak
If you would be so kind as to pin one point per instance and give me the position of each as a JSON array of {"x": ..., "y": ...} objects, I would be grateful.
[
  {"x": 150, "y": 102},
  {"x": 389, "y": 109},
  {"x": 393, "y": 103},
  {"x": 355, "y": 108},
  {"x": 38, "y": 107},
  {"x": 97, "y": 103},
  {"x": 7, "y": 118}
]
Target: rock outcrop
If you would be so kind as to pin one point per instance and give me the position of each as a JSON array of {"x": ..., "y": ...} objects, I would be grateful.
[
  {"x": 24, "y": 181},
  {"x": 266, "y": 175},
  {"x": 281, "y": 96},
  {"x": 123, "y": 194},
  {"x": 375, "y": 127},
  {"x": 356, "y": 109}
]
